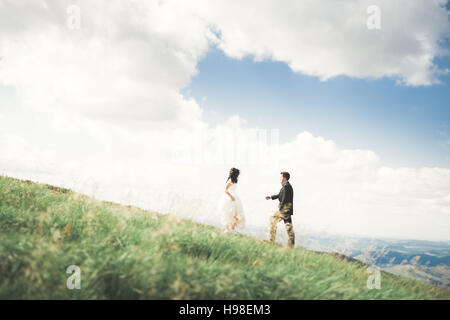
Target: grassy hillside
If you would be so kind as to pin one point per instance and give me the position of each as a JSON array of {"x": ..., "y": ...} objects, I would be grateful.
[{"x": 128, "y": 253}]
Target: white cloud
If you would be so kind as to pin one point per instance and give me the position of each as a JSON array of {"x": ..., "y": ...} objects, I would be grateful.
[
  {"x": 127, "y": 63},
  {"x": 350, "y": 191},
  {"x": 330, "y": 38},
  {"x": 94, "y": 109}
]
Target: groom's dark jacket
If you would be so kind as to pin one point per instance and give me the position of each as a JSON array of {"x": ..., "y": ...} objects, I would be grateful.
[{"x": 286, "y": 198}]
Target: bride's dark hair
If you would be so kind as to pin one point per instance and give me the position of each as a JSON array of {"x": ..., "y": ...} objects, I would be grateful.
[{"x": 234, "y": 174}]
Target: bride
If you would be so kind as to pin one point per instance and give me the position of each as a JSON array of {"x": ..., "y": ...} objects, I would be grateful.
[{"x": 230, "y": 205}]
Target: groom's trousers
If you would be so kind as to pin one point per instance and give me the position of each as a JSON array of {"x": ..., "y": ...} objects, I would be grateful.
[{"x": 277, "y": 217}]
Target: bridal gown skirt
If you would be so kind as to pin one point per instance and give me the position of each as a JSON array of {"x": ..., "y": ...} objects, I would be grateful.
[{"x": 229, "y": 209}]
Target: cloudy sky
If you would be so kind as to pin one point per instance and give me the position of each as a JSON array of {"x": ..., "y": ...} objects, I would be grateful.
[{"x": 151, "y": 103}]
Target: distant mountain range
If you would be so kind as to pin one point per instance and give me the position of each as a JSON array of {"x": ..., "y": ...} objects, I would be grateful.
[{"x": 423, "y": 260}]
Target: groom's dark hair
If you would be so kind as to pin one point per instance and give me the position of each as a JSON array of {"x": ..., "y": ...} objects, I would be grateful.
[{"x": 285, "y": 174}]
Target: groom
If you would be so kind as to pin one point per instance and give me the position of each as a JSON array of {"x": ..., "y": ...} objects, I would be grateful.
[{"x": 286, "y": 209}]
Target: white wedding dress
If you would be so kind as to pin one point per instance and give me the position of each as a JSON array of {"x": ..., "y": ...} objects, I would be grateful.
[{"x": 232, "y": 211}]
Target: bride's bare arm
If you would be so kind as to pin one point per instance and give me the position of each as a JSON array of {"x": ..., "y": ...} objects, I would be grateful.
[{"x": 228, "y": 193}]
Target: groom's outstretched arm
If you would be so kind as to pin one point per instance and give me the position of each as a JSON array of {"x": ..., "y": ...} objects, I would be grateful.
[{"x": 275, "y": 196}]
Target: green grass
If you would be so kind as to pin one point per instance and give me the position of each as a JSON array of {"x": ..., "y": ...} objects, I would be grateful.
[{"x": 128, "y": 253}]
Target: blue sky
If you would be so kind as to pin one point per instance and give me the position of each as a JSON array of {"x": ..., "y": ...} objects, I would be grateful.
[
  {"x": 405, "y": 126},
  {"x": 93, "y": 108}
]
